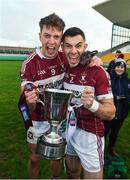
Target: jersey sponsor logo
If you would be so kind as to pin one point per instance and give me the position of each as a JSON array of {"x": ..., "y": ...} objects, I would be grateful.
[
  {"x": 77, "y": 89},
  {"x": 74, "y": 87},
  {"x": 52, "y": 82},
  {"x": 56, "y": 84}
]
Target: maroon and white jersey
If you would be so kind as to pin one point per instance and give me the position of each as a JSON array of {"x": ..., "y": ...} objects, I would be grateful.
[
  {"x": 76, "y": 79},
  {"x": 49, "y": 73}
]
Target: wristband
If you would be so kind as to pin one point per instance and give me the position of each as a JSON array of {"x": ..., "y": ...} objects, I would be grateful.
[{"x": 94, "y": 106}]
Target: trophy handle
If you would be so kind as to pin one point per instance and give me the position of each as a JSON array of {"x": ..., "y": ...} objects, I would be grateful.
[
  {"x": 77, "y": 96},
  {"x": 40, "y": 90},
  {"x": 29, "y": 86},
  {"x": 77, "y": 105},
  {"x": 39, "y": 101}
]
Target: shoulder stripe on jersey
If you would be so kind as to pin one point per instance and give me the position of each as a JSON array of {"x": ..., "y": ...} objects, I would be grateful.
[{"x": 29, "y": 58}]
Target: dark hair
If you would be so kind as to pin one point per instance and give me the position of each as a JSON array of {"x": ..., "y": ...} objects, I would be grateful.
[
  {"x": 120, "y": 63},
  {"x": 118, "y": 51},
  {"x": 52, "y": 20},
  {"x": 73, "y": 31}
]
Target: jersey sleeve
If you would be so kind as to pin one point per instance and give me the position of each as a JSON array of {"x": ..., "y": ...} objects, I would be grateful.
[
  {"x": 25, "y": 72},
  {"x": 103, "y": 84}
]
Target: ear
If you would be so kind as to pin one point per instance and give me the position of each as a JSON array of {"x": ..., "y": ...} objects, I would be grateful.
[
  {"x": 85, "y": 46},
  {"x": 39, "y": 36},
  {"x": 62, "y": 46}
]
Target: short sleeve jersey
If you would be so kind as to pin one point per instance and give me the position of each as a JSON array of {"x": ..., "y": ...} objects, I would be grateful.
[
  {"x": 49, "y": 73},
  {"x": 76, "y": 79}
]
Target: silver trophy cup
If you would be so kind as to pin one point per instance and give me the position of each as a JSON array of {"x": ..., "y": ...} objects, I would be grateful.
[{"x": 51, "y": 145}]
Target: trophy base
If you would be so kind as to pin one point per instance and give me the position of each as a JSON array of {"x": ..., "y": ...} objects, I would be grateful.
[{"x": 51, "y": 151}]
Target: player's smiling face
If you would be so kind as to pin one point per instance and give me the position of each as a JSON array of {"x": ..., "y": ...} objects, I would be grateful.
[
  {"x": 73, "y": 48},
  {"x": 50, "y": 38}
]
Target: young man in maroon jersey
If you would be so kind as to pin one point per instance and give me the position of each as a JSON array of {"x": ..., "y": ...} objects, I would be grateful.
[
  {"x": 46, "y": 66},
  {"x": 86, "y": 146}
]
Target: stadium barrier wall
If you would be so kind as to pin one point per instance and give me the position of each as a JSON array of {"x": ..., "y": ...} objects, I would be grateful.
[{"x": 12, "y": 57}]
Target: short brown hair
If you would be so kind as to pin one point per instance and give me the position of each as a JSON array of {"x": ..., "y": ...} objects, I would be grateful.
[
  {"x": 73, "y": 31},
  {"x": 52, "y": 20}
]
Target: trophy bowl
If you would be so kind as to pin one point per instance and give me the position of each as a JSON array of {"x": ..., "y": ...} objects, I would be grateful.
[{"x": 51, "y": 145}]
